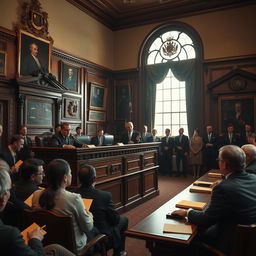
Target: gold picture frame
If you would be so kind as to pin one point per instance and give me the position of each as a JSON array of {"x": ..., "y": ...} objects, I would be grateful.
[
  {"x": 3, "y": 63},
  {"x": 97, "y": 116},
  {"x": 98, "y": 97}
]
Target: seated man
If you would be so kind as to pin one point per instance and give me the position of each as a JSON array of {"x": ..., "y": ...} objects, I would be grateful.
[
  {"x": 232, "y": 202},
  {"x": 250, "y": 152},
  {"x": 26, "y": 151},
  {"x": 106, "y": 218},
  {"x": 99, "y": 139},
  {"x": 10, "y": 237},
  {"x": 79, "y": 131},
  {"x": 31, "y": 175},
  {"x": 64, "y": 138},
  {"x": 130, "y": 136},
  {"x": 11, "y": 155}
]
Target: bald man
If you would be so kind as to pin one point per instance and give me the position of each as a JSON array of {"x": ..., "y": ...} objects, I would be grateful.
[
  {"x": 250, "y": 152},
  {"x": 130, "y": 136}
]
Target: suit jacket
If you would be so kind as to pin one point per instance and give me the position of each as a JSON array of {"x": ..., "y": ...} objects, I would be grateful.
[
  {"x": 58, "y": 141},
  {"x": 29, "y": 66},
  {"x": 151, "y": 139},
  {"x": 167, "y": 146},
  {"x": 125, "y": 138},
  {"x": 224, "y": 140},
  {"x": 95, "y": 141},
  {"x": 145, "y": 137},
  {"x": 213, "y": 140},
  {"x": 25, "y": 152},
  {"x": 23, "y": 189},
  {"x": 184, "y": 144},
  {"x": 251, "y": 167},
  {"x": 233, "y": 202},
  {"x": 12, "y": 243}
]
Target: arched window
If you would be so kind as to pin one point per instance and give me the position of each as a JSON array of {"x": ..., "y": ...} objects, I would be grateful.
[{"x": 171, "y": 43}]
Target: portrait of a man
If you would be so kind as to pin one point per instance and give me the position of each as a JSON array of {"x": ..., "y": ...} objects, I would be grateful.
[
  {"x": 70, "y": 77},
  {"x": 34, "y": 54},
  {"x": 97, "y": 99},
  {"x": 123, "y": 102}
]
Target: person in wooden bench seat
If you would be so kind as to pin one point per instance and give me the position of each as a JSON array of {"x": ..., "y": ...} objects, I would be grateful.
[{"x": 106, "y": 218}]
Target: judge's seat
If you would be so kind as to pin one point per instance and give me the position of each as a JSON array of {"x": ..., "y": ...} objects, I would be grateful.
[{"x": 60, "y": 230}]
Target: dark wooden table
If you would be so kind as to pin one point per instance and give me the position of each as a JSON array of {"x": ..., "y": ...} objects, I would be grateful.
[{"x": 150, "y": 229}]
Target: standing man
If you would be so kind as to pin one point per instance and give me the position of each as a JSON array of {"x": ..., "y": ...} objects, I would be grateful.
[
  {"x": 99, "y": 139},
  {"x": 229, "y": 137},
  {"x": 145, "y": 134},
  {"x": 64, "y": 138},
  {"x": 153, "y": 137},
  {"x": 166, "y": 151},
  {"x": 210, "y": 151},
  {"x": 130, "y": 136},
  {"x": 11, "y": 155},
  {"x": 181, "y": 149},
  {"x": 25, "y": 152},
  {"x": 232, "y": 202}
]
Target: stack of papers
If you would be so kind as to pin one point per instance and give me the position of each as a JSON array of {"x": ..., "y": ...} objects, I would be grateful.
[
  {"x": 176, "y": 228},
  {"x": 215, "y": 174},
  {"x": 201, "y": 189},
  {"x": 191, "y": 204},
  {"x": 204, "y": 183}
]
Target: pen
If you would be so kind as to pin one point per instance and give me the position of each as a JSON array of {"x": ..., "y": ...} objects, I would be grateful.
[{"x": 43, "y": 227}]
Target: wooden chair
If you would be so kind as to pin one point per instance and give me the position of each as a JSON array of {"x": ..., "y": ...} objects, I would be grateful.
[
  {"x": 243, "y": 242},
  {"x": 60, "y": 230}
]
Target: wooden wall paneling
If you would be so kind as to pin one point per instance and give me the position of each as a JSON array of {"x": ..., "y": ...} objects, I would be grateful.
[
  {"x": 133, "y": 188},
  {"x": 133, "y": 163},
  {"x": 149, "y": 181}
]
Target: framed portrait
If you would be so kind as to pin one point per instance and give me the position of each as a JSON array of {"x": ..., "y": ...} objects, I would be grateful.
[
  {"x": 34, "y": 54},
  {"x": 72, "y": 108},
  {"x": 3, "y": 63},
  {"x": 39, "y": 112},
  {"x": 98, "y": 96},
  {"x": 97, "y": 116},
  {"x": 123, "y": 103},
  {"x": 236, "y": 110},
  {"x": 70, "y": 76}
]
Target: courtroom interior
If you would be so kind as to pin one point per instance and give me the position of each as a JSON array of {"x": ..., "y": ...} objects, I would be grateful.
[{"x": 133, "y": 106}]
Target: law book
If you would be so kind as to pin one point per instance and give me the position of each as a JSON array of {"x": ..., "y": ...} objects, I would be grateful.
[
  {"x": 87, "y": 203},
  {"x": 202, "y": 183},
  {"x": 30, "y": 228},
  {"x": 176, "y": 228},
  {"x": 200, "y": 189},
  {"x": 191, "y": 204},
  {"x": 215, "y": 174}
]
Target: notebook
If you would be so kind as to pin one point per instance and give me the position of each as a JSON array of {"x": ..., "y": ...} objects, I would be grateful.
[
  {"x": 18, "y": 164},
  {"x": 32, "y": 227},
  {"x": 203, "y": 183},
  {"x": 87, "y": 203},
  {"x": 200, "y": 189},
  {"x": 215, "y": 175},
  {"x": 176, "y": 228},
  {"x": 191, "y": 204},
  {"x": 28, "y": 201}
]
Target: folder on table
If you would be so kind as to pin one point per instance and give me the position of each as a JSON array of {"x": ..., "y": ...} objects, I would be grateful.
[
  {"x": 191, "y": 204},
  {"x": 28, "y": 201},
  {"x": 202, "y": 183},
  {"x": 87, "y": 203},
  {"x": 32, "y": 227},
  {"x": 176, "y": 228},
  {"x": 201, "y": 189},
  {"x": 215, "y": 174}
]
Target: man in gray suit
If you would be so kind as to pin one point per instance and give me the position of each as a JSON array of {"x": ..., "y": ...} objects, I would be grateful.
[{"x": 233, "y": 202}]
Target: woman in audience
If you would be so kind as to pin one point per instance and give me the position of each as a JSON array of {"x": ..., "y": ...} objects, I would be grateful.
[
  {"x": 57, "y": 198},
  {"x": 196, "y": 144}
]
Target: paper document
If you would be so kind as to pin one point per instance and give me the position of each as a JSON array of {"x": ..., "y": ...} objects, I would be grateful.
[
  {"x": 191, "y": 204},
  {"x": 215, "y": 175},
  {"x": 28, "y": 201},
  {"x": 18, "y": 164},
  {"x": 204, "y": 183},
  {"x": 200, "y": 189},
  {"x": 87, "y": 203},
  {"x": 32, "y": 227},
  {"x": 176, "y": 228}
]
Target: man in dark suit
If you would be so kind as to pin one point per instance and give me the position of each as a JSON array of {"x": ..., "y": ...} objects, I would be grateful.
[
  {"x": 181, "y": 149},
  {"x": 145, "y": 134},
  {"x": 64, "y": 138},
  {"x": 166, "y": 151},
  {"x": 11, "y": 155},
  {"x": 250, "y": 152},
  {"x": 210, "y": 151},
  {"x": 12, "y": 242},
  {"x": 233, "y": 202},
  {"x": 99, "y": 139},
  {"x": 25, "y": 152},
  {"x": 130, "y": 136},
  {"x": 229, "y": 137},
  {"x": 153, "y": 137},
  {"x": 106, "y": 218}
]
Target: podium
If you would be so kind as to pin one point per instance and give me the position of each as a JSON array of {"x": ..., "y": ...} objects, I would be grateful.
[{"x": 129, "y": 172}]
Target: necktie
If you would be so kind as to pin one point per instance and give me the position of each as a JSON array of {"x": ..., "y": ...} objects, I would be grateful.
[
  {"x": 180, "y": 138},
  {"x": 129, "y": 135},
  {"x": 209, "y": 137},
  {"x": 230, "y": 138}
]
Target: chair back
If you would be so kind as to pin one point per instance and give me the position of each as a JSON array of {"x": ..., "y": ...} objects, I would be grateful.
[
  {"x": 85, "y": 139},
  {"x": 244, "y": 240},
  {"x": 108, "y": 140},
  {"x": 44, "y": 140},
  {"x": 59, "y": 227}
]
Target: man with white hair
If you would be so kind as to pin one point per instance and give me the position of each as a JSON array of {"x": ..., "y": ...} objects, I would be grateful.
[
  {"x": 250, "y": 152},
  {"x": 233, "y": 201},
  {"x": 130, "y": 136}
]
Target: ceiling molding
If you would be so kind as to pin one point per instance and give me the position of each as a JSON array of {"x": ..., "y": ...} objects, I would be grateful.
[{"x": 116, "y": 15}]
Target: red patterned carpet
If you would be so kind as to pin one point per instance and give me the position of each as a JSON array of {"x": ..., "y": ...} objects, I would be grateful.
[{"x": 168, "y": 187}]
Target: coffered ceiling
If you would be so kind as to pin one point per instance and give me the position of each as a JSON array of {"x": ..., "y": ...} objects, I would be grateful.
[{"x": 120, "y": 14}]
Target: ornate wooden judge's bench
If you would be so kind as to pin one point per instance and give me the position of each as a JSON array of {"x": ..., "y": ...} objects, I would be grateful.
[{"x": 129, "y": 172}]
